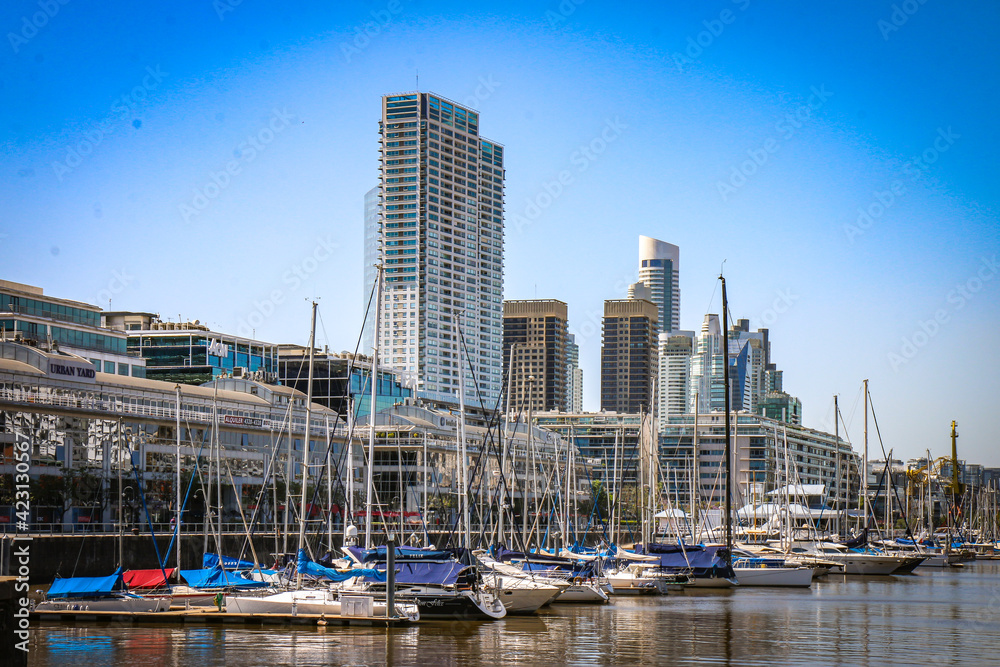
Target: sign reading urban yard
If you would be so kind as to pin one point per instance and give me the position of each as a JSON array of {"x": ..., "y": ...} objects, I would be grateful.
[
  {"x": 243, "y": 421},
  {"x": 80, "y": 371}
]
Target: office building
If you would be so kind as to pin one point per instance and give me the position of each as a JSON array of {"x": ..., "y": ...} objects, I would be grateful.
[
  {"x": 535, "y": 354},
  {"x": 441, "y": 238},
  {"x": 628, "y": 355},
  {"x": 341, "y": 381},
  {"x": 191, "y": 353},
  {"x": 29, "y": 316}
]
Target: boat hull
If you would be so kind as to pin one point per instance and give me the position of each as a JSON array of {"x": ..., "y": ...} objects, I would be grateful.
[
  {"x": 774, "y": 576},
  {"x": 130, "y": 605}
]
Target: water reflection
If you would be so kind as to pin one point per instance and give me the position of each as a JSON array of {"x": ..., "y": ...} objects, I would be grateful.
[{"x": 935, "y": 616}]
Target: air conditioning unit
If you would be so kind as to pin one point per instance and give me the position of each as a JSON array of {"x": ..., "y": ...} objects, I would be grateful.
[{"x": 239, "y": 372}]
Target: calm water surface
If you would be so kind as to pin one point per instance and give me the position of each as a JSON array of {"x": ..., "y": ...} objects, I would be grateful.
[{"x": 934, "y": 617}]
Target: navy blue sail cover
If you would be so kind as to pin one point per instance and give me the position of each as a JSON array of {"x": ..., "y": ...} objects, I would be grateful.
[{"x": 703, "y": 561}]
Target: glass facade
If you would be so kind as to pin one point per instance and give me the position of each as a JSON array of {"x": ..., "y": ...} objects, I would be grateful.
[
  {"x": 10, "y": 303},
  {"x": 199, "y": 356}
]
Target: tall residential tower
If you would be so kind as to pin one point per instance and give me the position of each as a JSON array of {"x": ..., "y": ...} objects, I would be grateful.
[
  {"x": 441, "y": 233},
  {"x": 659, "y": 271}
]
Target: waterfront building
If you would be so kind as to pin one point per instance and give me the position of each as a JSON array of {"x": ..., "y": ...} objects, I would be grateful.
[
  {"x": 574, "y": 375},
  {"x": 759, "y": 459},
  {"x": 191, "y": 353},
  {"x": 86, "y": 430},
  {"x": 535, "y": 354},
  {"x": 628, "y": 355},
  {"x": 659, "y": 271},
  {"x": 609, "y": 441},
  {"x": 675, "y": 352},
  {"x": 440, "y": 228},
  {"x": 28, "y": 315},
  {"x": 417, "y": 457},
  {"x": 341, "y": 381}
]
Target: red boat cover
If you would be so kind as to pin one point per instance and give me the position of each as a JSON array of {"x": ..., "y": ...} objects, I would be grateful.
[{"x": 147, "y": 578}]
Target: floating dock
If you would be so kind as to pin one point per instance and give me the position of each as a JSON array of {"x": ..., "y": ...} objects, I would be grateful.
[{"x": 207, "y": 617}]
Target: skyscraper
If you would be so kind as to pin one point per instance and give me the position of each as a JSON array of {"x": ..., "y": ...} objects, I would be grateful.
[
  {"x": 441, "y": 232},
  {"x": 534, "y": 332},
  {"x": 675, "y": 352},
  {"x": 574, "y": 396},
  {"x": 659, "y": 272},
  {"x": 707, "y": 383},
  {"x": 628, "y": 355}
]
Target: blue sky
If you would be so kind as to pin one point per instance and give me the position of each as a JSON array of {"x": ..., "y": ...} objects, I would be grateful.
[{"x": 208, "y": 160}]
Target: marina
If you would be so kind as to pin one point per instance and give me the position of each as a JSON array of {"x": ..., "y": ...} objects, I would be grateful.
[{"x": 937, "y": 616}]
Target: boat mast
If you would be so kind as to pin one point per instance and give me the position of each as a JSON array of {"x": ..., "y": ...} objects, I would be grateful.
[
  {"x": 303, "y": 511},
  {"x": 177, "y": 519},
  {"x": 864, "y": 467},
  {"x": 463, "y": 470},
  {"x": 373, "y": 376},
  {"x": 504, "y": 454},
  {"x": 729, "y": 437},
  {"x": 695, "y": 474},
  {"x": 836, "y": 469}
]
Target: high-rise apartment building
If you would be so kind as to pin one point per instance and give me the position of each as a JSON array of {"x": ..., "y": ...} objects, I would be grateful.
[
  {"x": 675, "y": 351},
  {"x": 534, "y": 332},
  {"x": 628, "y": 355},
  {"x": 575, "y": 376},
  {"x": 441, "y": 236},
  {"x": 659, "y": 272}
]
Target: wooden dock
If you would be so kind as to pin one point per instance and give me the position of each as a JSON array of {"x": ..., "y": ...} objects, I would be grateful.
[{"x": 207, "y": 617}]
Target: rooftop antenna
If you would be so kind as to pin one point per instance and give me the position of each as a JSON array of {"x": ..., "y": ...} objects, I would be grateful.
[{"x": 418, "y": 81}]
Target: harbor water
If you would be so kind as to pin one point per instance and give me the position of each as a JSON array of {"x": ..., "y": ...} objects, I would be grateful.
[{"x": 934, "y": 617}]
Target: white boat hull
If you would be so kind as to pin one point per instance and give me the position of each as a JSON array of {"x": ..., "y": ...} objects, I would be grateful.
[
  {"x": 314, "y": 602},
  {"x": 774, "y": 576},
  {"x": 583, "y": 593},
  {"x": 128, "y": 605},
  {"x": 525, "y": 600}
]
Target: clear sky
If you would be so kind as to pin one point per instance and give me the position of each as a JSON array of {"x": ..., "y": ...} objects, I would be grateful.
[{"x": 209, "y": 159}]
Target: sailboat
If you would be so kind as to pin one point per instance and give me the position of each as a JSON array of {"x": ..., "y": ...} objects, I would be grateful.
[{"x": 328, "y": 600}]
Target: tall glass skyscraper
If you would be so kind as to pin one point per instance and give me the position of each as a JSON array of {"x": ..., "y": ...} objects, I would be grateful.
[
  {"x": 440, "y": 230},
  {"x": 659, "y": 272}
]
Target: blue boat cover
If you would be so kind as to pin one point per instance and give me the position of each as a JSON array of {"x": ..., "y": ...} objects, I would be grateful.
[
  {"x": 402, "y": 553},
  {"x": 306, "y": 566},
  {"x": 80, "y": 587},
  {"x": 703, "y": 561},
  {"x": 216, "y": 577},
  {"x": 209, "y": 561},
  {"x": 428, "y": 573}
]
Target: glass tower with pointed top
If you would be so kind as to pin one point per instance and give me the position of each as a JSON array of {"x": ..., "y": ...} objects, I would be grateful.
[{"x": 440, "y": 228}]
